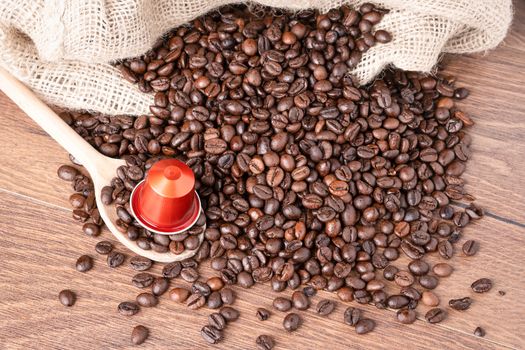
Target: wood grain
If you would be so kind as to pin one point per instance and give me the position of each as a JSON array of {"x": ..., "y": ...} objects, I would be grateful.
[
  {"x": 39, "y": 243},
  {"x": 31, "y": 277}
]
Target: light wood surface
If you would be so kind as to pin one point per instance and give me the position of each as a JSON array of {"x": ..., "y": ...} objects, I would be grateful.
[{"x": 39, "y": 244}]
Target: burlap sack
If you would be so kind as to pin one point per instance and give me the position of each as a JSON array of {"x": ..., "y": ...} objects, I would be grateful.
[{"x": 62, "y": 48}]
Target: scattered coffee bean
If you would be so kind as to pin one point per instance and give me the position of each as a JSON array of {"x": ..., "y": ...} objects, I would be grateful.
[
  {"x": 264, "y": 342},
  {"x": 104, "y": 247},
  {"x": 128, "y": 308},
  {"x": 460, "y": 304},
  {"x": 147, "y": 300},
  {"x": 115, "y": 259},
  {"x": 139, "y": 335},
  {"x": 406, "y": 316},
  {"x": 160, "y": 285},
  {"x": 364, "y": 326},
  {"x": 482, "y": 285},
  {"x": 84, "y": 263},
  {"x": 435, "y": 315},
  {"x": 217, "y": 320},
  {"x": 282, "y": 304},
  {"x": 211, "y": 334},
  {"x": 67, "y": 297},
  {"x": 229, "y": 313},
  {"x": 325, "y": 307},
  {"x": 479, "y": 332},
  {"x": 470, "y": 248},
  {"x": 140, "y": 263},
  {"x": 291, "y": 322},
  {"x": 179, "y": 295},
  {"x": 142, "y": 280},
  {"x": 352, "y": 316},
  {"x": 262, "y": 314}
]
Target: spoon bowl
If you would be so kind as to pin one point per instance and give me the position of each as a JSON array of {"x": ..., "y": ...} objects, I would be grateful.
[{"x": 102, "y": 169}]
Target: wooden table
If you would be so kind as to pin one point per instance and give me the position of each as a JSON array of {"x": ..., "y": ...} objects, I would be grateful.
[{"x": 40, "y": 242}]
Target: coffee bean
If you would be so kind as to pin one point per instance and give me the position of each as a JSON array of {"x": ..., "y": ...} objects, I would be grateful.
[
  {"x": 435, "y": 315},
  {"x": 352, "y": 316},
  {"x": 262, "y": 314},
  {"x": 291, "y": 322},
  {"x": 128, "y": 308},
  {"x": 300, "y": 301},
  {"x": 482, "y": 285},
  {"x": 430, "y": 299},
  {"x": 229, "y": 313},
  {"x": 179, "y": 295},
  {"x": 195, "y": 301},
  {"x": 460, "y": 304},
  {"x": 91, "y": 229},
  {"x": 325, "y": 307},
  {"x": 403, "y": 278},
  {"x": 159, "y": 286},
  {"x": 282, "y": 304},
  {"x": 442, "y": 269},
  {"x": 67, "y": 297},
  {"x": 172, "y": 270},
  {"x": 84, "y": 263},
  {"x": 211, "y": 334},
  {"x": 217, "y": 320},
  {"x": 189, "y": 274},
  {"x": 264, "y": 342},
  {"x": 147, "y": 300},
  {"x": 406, "y": 316},
  {"x": 142, "y": 280},
  {"x": 364, "y": 326},
  {"x": 428, "y": 281},
  {"x": 479, "y": 332},
  {"x": 140, "y": 263},
  {"x": 115, "y": 259},
  {"x": 470, "y": 248},
  {"x": 67, "y": 173},
  {"x": 227, "y": 296},
  {"x": 214, "y": 300},
  {"x": 139, "y": 335}
]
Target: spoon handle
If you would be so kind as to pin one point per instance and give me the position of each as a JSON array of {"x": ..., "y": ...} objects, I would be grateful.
[{"x": 49, "y": 121}]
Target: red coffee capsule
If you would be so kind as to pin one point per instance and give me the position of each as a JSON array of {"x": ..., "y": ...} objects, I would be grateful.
[{"x": 166, "y": 201}]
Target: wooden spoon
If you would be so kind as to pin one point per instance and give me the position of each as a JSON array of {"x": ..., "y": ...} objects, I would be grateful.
[{"x": 101, "y": 168}]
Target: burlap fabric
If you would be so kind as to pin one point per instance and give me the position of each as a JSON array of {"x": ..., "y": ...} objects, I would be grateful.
[{"x": 62, "y": 49}]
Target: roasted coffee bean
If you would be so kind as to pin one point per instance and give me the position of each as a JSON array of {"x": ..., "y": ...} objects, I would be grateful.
[
  {"x": 229, "y": 313},
  {"x": 217, "y": 320},
  {"x": 140, "y": 263},
  {"x": 428, "y": 281},
  {"x": 139, "y": 335},
  {"x": 262, "y": 314},
  {"x": 282, "y": 304},
  {"x": 291, "y": 322},
  {"x": 352, "y": 316},
  {"x": 300, "y": 301},
  {"x": 430, "y": 299},
  {"x": 364, "y": 325},
  {"x": 172, "y": 270},
  {"x": 142, "y": 280},
  {"x": 104, "y": 247},
  {"x": 195, "y": 301},
  {"x": 91, "y": 229},
  {"x": 160, "y": 285},
  {"x": 460, "y": 304},
  {"x": 128, "y": 308},
  {"x": 67, "y": 297},
  {"x": 482, "y": 285},
  {"x": 211, "y": 334},
  {"x": 325, "y": 307},
  {"x": 189, "y": 274},
  {"x": 227, "y": 296},
  {"x": 264, "y": 342},
  {"x": 435, "y": 315},
  {"x": 479, "y": 332},
  {"x": 84, "y": 263},
  {"x": 67, "y": 172},
  {"x": 115, "y": 259},
  {"x": 406, "y": 316},
  {"x": 470, "y": 248},
  {"x": 147, "y": 300},
  {"x": 442, "y": 269},
  {"x": 179, "y": 295}
]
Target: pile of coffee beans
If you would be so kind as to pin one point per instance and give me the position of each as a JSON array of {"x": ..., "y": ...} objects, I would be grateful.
[{"x": 305, "y": 178}]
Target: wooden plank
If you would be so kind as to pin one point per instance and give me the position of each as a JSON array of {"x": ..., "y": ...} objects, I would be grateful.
[{"x": 38, "y": 261}]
